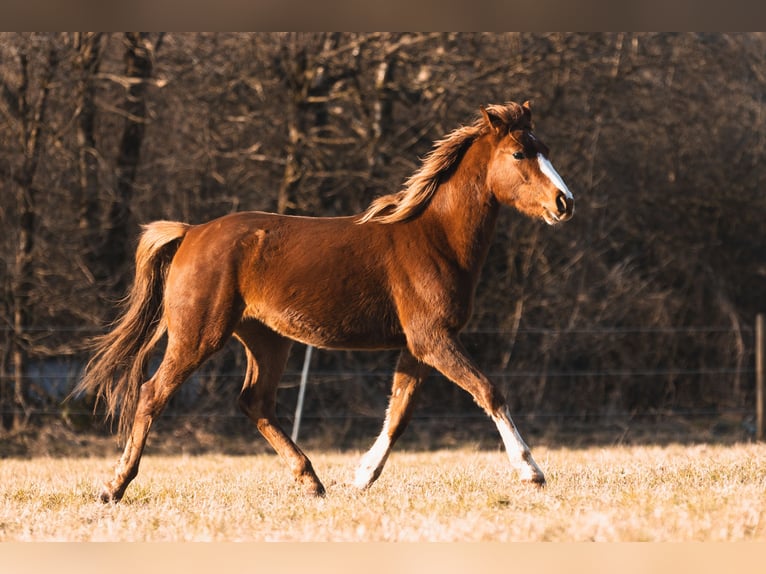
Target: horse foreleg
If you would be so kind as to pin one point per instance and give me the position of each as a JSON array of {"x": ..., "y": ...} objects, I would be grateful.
[
  {"x": 266, "y": 358},
  {"x": 409, "y": 374},
  {"x": 518, "y": 451},
  {"x": 448, "y": 356}
]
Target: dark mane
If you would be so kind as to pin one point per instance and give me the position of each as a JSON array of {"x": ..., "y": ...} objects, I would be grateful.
[{"x": 420, "y": 187}]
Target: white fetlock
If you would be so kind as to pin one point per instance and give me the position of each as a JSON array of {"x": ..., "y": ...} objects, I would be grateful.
[
  {"x": 363, "y": 477},
  {"x": 372, "y": 462},
  {"x": 517, "y": 449},
  {"x": 530, "y": 472}
]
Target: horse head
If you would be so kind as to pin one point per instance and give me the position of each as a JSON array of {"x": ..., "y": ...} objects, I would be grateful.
[{"x": 519, "y": 172}]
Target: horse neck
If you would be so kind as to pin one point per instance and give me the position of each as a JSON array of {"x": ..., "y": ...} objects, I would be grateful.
[{"x": 463, "y": 211}]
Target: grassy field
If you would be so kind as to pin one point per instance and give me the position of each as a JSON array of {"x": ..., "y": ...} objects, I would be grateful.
[{"x": 639, "y": 493}]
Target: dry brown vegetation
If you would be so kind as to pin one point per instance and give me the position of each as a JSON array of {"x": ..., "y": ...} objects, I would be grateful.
[
  {"x": 673, "y": 493},
  {"x": 659, "y": 135}
]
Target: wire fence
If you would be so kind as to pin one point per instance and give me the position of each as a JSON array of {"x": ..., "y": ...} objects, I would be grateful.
[
  {"x": 350, "y": 390},
  {"x": 686, "y": 380}
]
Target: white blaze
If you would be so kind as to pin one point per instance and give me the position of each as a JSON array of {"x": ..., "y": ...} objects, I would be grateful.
[{"x": 547, "y": 168}]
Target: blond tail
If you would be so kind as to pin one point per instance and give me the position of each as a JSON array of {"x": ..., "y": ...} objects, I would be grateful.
[{"x": 118, "y": 367}]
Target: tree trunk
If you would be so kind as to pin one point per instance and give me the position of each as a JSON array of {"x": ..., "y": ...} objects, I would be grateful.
[
  {"x": 139, "y": 55},
  {"x": 88, "y": 47},
  {"x": 308, "y": 83},
  {"x": 31, "y": 117}
]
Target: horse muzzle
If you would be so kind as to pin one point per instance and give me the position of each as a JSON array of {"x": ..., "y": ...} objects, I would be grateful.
[{"x": 562, "y": 210}]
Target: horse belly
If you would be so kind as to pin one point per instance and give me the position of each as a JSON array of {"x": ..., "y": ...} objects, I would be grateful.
[
  {"x": 337, "y": 314},
  {"x": 334, "y": 326}
]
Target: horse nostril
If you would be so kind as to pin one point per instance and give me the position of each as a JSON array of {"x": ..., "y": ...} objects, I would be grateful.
[{"x": 561, "y": 203}]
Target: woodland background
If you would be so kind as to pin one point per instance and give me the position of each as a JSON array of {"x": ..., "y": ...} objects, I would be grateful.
[{"x": 639, "y": 310}]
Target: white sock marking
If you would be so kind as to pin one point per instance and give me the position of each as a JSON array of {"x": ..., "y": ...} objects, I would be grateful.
[
  {"x": 373, "y": 459},
  {"x": 516, "y": 447}
]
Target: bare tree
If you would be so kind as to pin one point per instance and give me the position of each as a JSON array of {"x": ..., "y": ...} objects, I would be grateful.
[
  {"x": 139, "y": 60},
  {"x": 24, "y": 105},
  {"x": 659, "y": 135},
  {"x": 88, "y": 49}
]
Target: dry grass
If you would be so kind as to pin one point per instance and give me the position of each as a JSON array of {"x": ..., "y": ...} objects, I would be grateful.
[{"x": 674, "y": 493}]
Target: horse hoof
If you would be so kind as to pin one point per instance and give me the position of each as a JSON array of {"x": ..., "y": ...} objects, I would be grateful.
[
  {"x": 312, "y": 488},
  {"x": 537, "y": 481},
  {"x": 107, "y": 496},
  {"x": 317, "y": 491}
]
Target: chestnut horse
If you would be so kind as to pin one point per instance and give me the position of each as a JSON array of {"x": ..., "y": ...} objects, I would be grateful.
[{"x": 400, "y": 275}]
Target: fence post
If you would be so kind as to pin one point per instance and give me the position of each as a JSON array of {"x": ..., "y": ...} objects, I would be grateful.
[
  {"x": 760, "y": 392},
  {"x": 301, "y": 393}
]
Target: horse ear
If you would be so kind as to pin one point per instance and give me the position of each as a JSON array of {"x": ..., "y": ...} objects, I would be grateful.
[
  {"x": 527, "y": 107},
  {"x": 494, "y": 121}
]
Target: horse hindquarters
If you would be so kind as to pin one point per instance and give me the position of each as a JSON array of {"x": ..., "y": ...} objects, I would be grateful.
[{"x": 200, "y": 310}]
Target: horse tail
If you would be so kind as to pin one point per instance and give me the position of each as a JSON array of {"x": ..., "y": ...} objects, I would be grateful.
[{"x": 118, "y": 367}]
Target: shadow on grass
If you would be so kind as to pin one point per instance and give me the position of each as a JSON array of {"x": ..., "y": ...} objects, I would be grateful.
[{"x": 236, "y": 436}]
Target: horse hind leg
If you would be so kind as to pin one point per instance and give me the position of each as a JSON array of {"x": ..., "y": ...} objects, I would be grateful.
[
  {"x": 267, "y": 354},
  {"x": 408, "y": 377},
  {"x": 153, "y": 398},
  {"x": 190, "y": 343}
]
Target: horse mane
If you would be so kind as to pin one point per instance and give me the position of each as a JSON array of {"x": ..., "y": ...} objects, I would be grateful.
[{"x": 420, "y": 187}]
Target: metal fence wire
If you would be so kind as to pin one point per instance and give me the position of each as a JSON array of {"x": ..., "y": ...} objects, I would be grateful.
[{"x": 549, "y": 377}]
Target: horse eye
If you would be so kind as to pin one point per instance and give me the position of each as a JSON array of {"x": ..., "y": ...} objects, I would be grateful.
[{"x": 518, "y": 155}]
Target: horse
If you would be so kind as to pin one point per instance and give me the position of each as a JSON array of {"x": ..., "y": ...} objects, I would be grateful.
[{"x": 400, "y": 275}]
